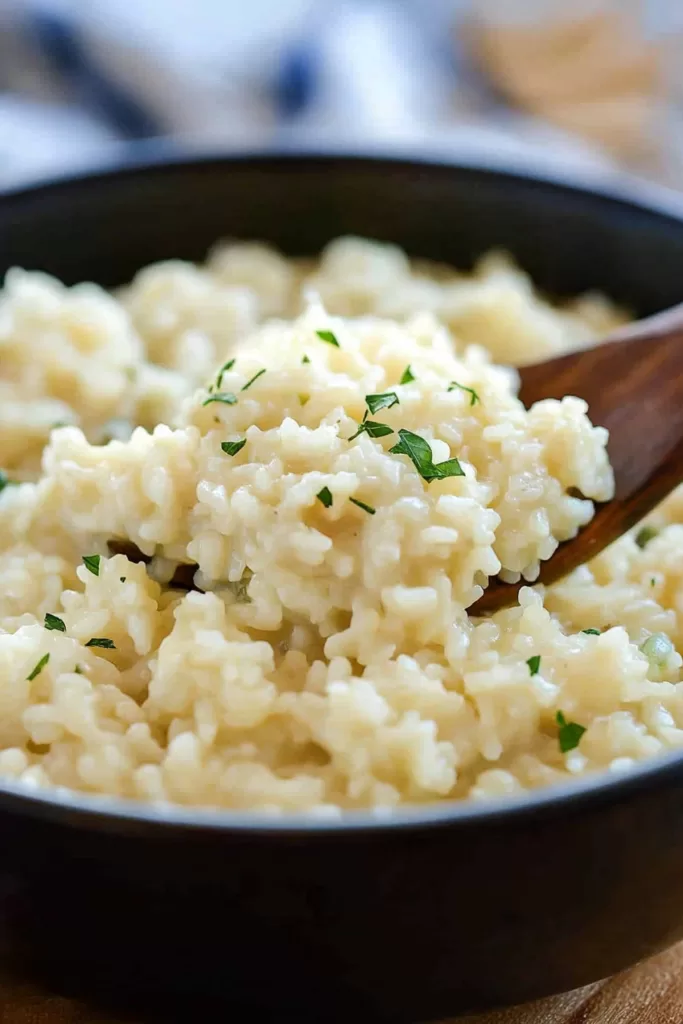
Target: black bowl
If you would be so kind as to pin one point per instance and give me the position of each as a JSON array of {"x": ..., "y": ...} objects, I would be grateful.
[{"x": 435, "y": 912}]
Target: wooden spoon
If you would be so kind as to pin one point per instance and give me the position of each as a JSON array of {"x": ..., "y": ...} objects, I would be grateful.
[{"x": 633, "y": 383}]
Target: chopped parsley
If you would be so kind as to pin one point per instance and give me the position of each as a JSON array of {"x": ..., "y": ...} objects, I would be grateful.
[
  {"x": 377, "y": 402},
  {"x": 569, "y": 734},
  {"x": 122, "y": 579},
  {"x": 305, "y": 359},
  {"x": 233, "y": 447},
  {"x": 591, "y": 632},
  {"x": 645, "y": 535},
  {"x": 92, "y": 563},
  {"x": 329, "y": 337},
  {"x": 226, "y": 397},
  {"x": 224, "y": 369},
  {"x": 372, "y": 429},
  {"x": 4, "y": 480},
  {"x": 420, "y": 454},
  {"x": 252, "y": 379},
  {"x": 304, "y": 399},
  {"x": 474, "y": 397},
  {"x": 240, "y": 588},
  {"x": 325, "y": 496},
  {"x": 653, "y": 581},
  {"x": 534, "y": 664},
  {"x": 38, "y": 669},
  {"x": 407, "y": 376},
  {"x": 78, "y": 670},
  {"x": 102, "y": 641},
  {"x": 366, "y": 508},
  {"x": 54, "y": 622}
]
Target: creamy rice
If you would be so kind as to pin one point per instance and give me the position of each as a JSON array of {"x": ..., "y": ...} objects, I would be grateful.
[{"x": 326, "y": 659}]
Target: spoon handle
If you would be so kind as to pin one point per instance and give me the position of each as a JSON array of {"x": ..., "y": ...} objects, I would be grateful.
[{"x": 633, "y": 384}]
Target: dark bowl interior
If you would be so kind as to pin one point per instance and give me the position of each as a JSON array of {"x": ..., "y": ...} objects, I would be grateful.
[{"x": 450, "y": 911}]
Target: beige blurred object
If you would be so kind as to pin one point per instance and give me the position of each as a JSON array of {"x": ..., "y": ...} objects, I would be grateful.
[{"x": 593, "y": 71}]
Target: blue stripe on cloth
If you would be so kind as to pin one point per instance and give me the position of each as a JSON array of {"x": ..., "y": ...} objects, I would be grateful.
[{"x": 61, "y": 45}]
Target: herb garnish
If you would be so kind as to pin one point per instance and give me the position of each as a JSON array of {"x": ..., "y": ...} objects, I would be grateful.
[
  {"x": 534, "y": 664},
  {"x": 645, "y": 535},
  {"x": 122, "y": 579},
  {"x": 329, "y": 337},
  {"x": 570, "y": 733},
  {"x": 4, "y": 480},
  {"x": 224, "y": 369},
  {"x": 407, "y": 375},
  {"x": 102, "y": 641},
  {"x": 226, "y": 397},
  {"x": 591, "y": 632},
  {"x": 366, "y": 508},
  {"x": 252, "y": 379},
  {"x": 325, "y": 496},
  {"x": 372, "y": 429},
  {"x": 54, "y": 622},
  {"x": 304, "y": 399},
  {"x": 420, "y": 454},
  {"x": 38, "y": 669},
  {"x": 240, "y": 588},
  {"x": 305, "y": 359},
  {"x": 233, "y": 447},
  {"x": 92, "y": 562},
  {"x": 474, "y": 397},
  {"x": 385, "y": 401}
]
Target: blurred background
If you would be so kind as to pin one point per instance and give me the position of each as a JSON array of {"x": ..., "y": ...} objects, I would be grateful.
[{"x": 594, "y": 86}]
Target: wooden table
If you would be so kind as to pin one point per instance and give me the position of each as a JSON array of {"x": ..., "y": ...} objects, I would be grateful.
[{"x": 651, "y": 993}]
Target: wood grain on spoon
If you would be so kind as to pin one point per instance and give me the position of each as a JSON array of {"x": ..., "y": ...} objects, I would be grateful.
[{"x": 633, "y": 383}]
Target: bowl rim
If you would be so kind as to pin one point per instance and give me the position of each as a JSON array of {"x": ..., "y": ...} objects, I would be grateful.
[{"x": 100, "y": 812}]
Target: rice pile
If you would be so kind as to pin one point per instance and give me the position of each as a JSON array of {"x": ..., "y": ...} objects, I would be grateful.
[{"x": 330, "y": 455}]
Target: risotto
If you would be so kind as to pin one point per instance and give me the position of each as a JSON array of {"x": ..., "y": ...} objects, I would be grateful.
[{"x": 246, "y": 506}]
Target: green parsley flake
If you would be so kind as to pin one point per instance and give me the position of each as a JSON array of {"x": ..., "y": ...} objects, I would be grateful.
[
  {"x": 591, "y": 632},
  {"x": 122, "y": 579},
  {"x": 102, "y": 641},
  {"x": 366, "y": 508},
  {"x": 420, "y": 454},
  {"x": 304, "y": 399},
  {"x": 92, "y": 563},
  {"x": 305, "y": 359},
  {"x": 653, "y": 581},
  {"x": 224, "y": 369},
  {"x": 325, "y": 496},
  {"x": 534, "y": 664},
  {"x": 377, "y": 402},
  {"x": 4, "y": 481},
  {"x": 39, "y": 668},
  {"x": 407, "y": 375},
  {"x": 474, "y": 397},
  {"x": 645, "y": 535},
  {"x": 372, "y": 429},
  {"x": 240, "y": 588},
  {"x": 54, "y": 622},
  {"x": 329, "y": 337},
  {"x": 78, "y": 670},
  {"x": 233, "y": 447},
  {"x": 226, "y": 397},
  {"x": 570, "y": 733},
  {"x": 252, "y": 379}
]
